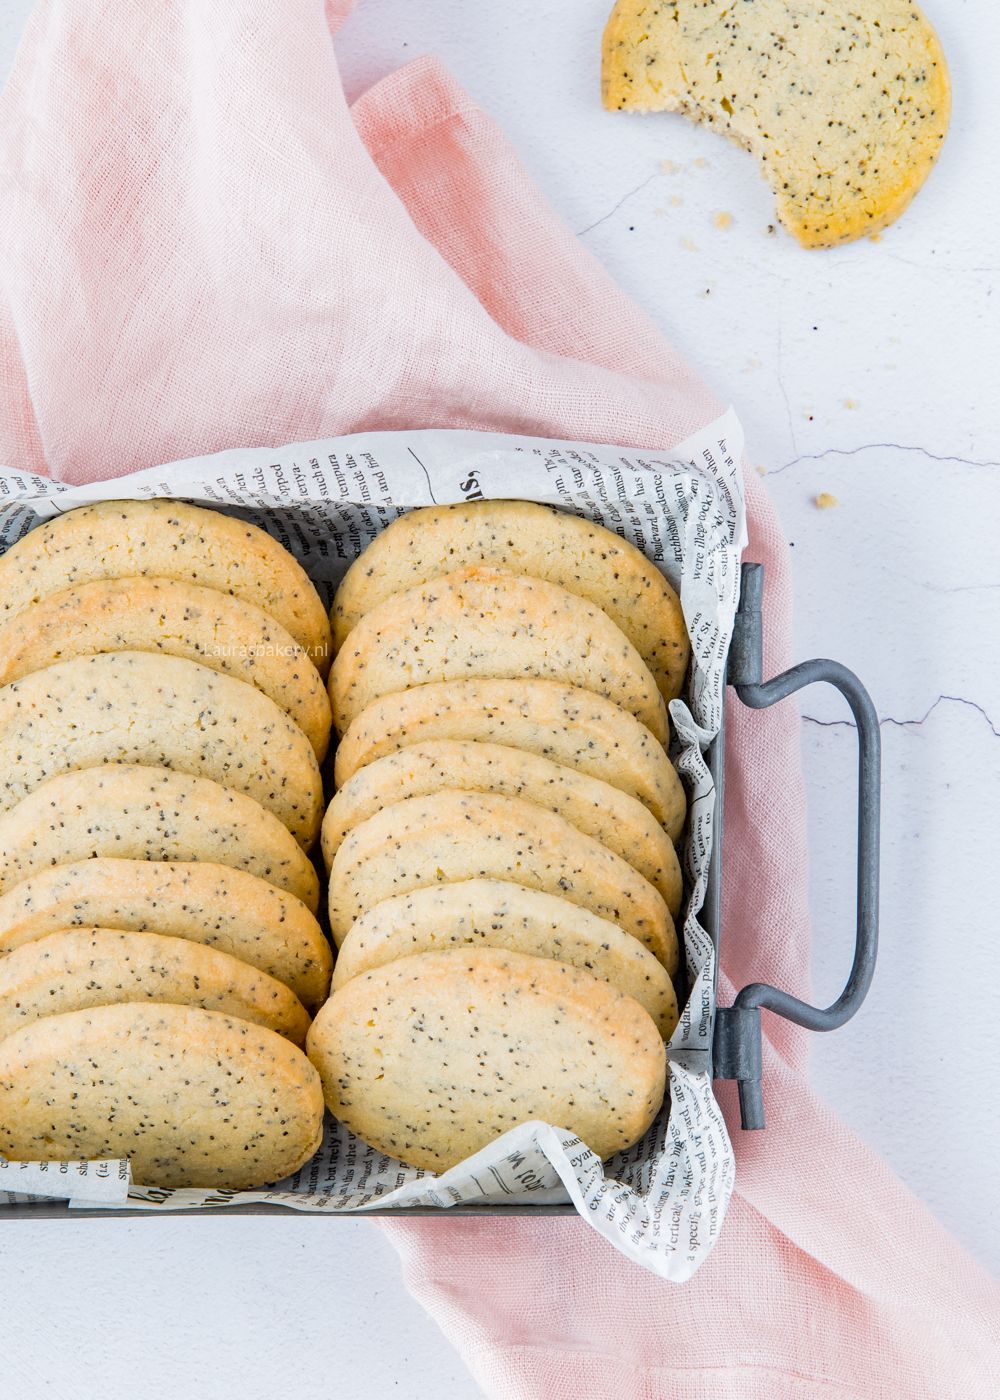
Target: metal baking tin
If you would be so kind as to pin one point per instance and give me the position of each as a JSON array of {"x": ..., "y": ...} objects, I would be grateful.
[{"x": 736, "y": 1050}]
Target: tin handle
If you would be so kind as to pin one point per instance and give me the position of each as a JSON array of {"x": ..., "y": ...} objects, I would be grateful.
[{"x": 737, "y": 1047}]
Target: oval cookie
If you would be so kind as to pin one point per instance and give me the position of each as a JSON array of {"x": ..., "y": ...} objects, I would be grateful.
[
  {"x": 219, "y": 906},
  {"x": 166, "y": 539},
  {"x": 523, "y": 537},
  {"x": 193, "y": 1097},
  {"x": 136, "y": 813},
  {"x": 80, "y": 968},
  {"x": 485, "y": 623},
  {"x": 609, "y": 815},
  {"x": 134, "y": 707},
  {"x": 845, "y": 104},
  {"x": 453, "y": 836},
  {"x": 432, "y": 1057},
  {"x": 495, "y": 914},
  {"x": 560, "y": 722},
  {"x": 176, "y": 619}
]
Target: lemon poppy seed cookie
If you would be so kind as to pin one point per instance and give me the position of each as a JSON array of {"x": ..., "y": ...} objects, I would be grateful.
[
  {"x": 570, "y": 726},
  {"x": 134, "y": 707},
  {"x": 609, "y": 815},
  {"x": 432, "y": 1057},
  {"x": 131, "y": 812},
  {"x": 845, "y": 105},
  {"x": 451, "y": 836},
  {"x": 177, "y": 619},
  {"x": 79, "y": 968},
  {"x": 194, "y": 1098},
  {"x": 166, "y": 539},
  {"x": 496, "y": 914},
  {"x": 217, "y": 905},
  {"x": 486, "y": 623},
  {"x": 523, "y": 537}
]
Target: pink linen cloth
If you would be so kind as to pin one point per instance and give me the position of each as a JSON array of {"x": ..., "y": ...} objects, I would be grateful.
[{"x": 202, "y": 246}]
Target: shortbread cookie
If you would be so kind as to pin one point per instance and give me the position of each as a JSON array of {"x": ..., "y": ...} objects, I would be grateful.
[
  {"x": 495, "y": 914},
  {"x": 430, "y": 1058},
  {"x": 133, "y": 707},
  {"x": 193, "y": 1097},
  {"x": 844, "y": 104},
  {"x": 486, "y": 623},
  {"x": 80, "y": 968},
  {"x": 452, "y": 836},
  {"x": 130, "y": 812},
  {"x": 609, "y": 815},
  {"x": 560, "y": 722},
  {"x": 177, "y": 619},
  {"x": 166, "y": 539},
  {"x": 525, "y": 538},
  {"x": 219, "y": 906}
]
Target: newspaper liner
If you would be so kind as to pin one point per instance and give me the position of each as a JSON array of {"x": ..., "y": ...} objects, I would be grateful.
[{"x": 662, "y": 1202}]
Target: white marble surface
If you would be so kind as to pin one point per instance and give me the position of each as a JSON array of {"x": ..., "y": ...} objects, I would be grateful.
[{"x": 869, "y": 373}]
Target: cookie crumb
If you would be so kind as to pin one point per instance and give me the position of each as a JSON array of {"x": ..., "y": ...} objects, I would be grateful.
[
  {"x": 675, "y": 201},
  {"x": 723, "y": 219},
  {"x": 824, "y": 501},
  {"x": 668, "y": 167},
  {"x": 689, "y": 244},
  {"x": 850, "y": 403}
]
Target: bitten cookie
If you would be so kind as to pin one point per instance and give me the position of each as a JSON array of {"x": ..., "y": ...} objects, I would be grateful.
[
  {"x": 193, "y": 1097},
  {"x": 176, "y": 619},
  {"x": 560, "y": 722},
  {"x": 430, "y": 1058},
  {"x": 452, "y": 836},
  {"x": 495, "y": 914},
  {"x": 136, "y": 813},
  {"x": 845, "y": 105},
  {"x": 609, "y": 815},
  {"x": 216, "y": 905},
  {"x": 166, "y": 539},
  {"x": 79, "y": 968},
  {"x": 486, "y": 623},
  {"x": 134, "y": 707},
  {"x": 523, "y": 537}
]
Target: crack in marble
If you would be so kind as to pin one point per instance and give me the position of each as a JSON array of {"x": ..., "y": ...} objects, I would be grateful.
[
  {"x": 624, "y": 200},
  {"x": 959, "y": 588},
  {"x": 924, "y": 266},
  {"x": 876, "y": 447},
  {"x": 909, "y": 723},
  {"x": 784, "y": 394}
]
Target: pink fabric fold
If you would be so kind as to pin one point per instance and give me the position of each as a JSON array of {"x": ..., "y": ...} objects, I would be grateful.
[{"x": 202, "y": 246}]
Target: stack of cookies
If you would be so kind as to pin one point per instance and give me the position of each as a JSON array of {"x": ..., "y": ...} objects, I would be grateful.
[
  {"x": 500, "y": 847},
  {"x": 162, "y": 721}
]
